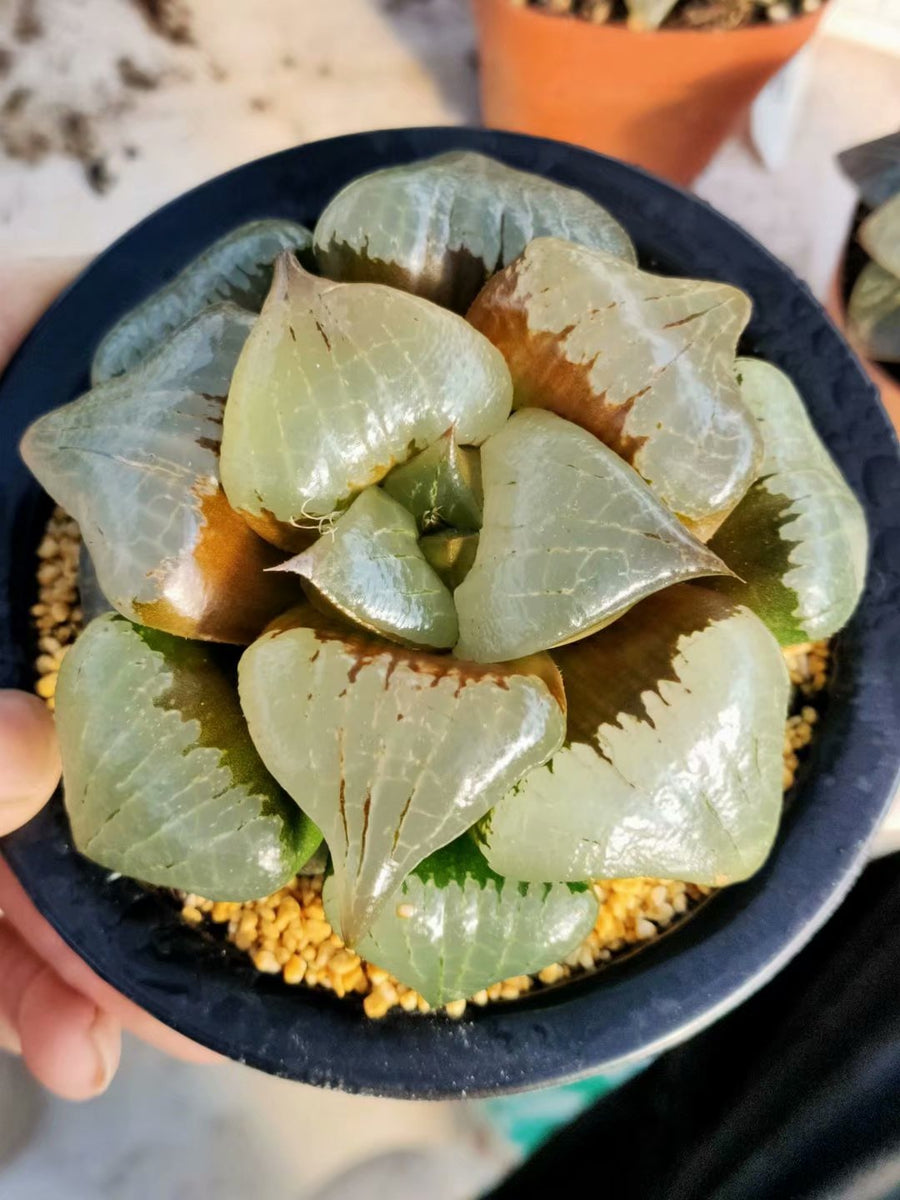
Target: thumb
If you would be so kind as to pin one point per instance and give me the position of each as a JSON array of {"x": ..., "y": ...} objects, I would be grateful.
[
  {"x": 29, "y": 758},
  {"x": 26, "y": 288}
]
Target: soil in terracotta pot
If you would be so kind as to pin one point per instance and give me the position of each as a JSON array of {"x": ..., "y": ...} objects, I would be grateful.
[{"x": 686, "y": 14}]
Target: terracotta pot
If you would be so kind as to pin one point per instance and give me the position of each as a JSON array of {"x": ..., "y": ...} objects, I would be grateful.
[
  {"x": 887, "y": 385},
  {"x": 663, "y": 100}
]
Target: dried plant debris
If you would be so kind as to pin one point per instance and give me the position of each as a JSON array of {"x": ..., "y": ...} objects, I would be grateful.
[
  {"x": 287, "y": 933},
  {"x": 134, "y": 76},
  {"x": 678, "y": 14},
  {"x": 48, "y": 109},
  {"x": 27, "y": 24},
  {"x": 170, "y": 19}
]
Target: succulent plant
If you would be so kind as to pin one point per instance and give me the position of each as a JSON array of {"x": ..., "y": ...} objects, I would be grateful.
[
  {"x": 873, "y": 314},
  {"x": 392, "y": 372},
  {"x": 456, "y": 926},
  {"x": 136, "y": 462},
  {"x": 797, "y": 541},
  {"x": 672, "y": 760},
  {"x": 162, "y": 781},
  {"x": 567, "y": 546},
  {"x": 442, "y": 226},
  {"x": 874, "y": 169},
  {"x": 644, "y": 362},
  {"x": 440, "y": 486},
  {"x": 873, "y": 309},
  {"x": 520, "y": 662},
  {"x": 394, "y": 753},
  {"x": 371, "y": 569},
  {"x": 237, "y": 268}
]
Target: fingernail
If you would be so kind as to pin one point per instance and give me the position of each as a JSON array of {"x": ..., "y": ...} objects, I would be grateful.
[
  {"x": 9, "y": 1039},
  {"x": 106, "y": 1039}
]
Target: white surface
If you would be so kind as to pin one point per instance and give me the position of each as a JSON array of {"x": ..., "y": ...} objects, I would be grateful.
[
  {"x": 357, "y": 64},
  {"x": 874, "y": 23},
  {"x": 169, "y": 1131}
]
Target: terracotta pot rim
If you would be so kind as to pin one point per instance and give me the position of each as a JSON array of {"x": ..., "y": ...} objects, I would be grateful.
[{"x": 760, "y": 31}]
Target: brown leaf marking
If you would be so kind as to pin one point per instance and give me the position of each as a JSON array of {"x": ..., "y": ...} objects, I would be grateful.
[
  {"x": 229, "y": 597},
  {"x": 542, "y": 374},
  {"x": 607, "y": 675},
  {"x": 366, "y": 649}
]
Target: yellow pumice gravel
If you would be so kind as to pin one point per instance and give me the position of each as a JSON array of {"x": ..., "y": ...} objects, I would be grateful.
[{"x": 287, "y": 934}]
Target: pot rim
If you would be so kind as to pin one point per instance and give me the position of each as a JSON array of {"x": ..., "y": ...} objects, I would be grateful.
[{"x": 642, "y": 1004}]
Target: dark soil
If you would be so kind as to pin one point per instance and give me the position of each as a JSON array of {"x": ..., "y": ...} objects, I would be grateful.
[
  {"x": 686, "y": 14},
  {"x": 28, "y": 24},
  {"x": 134, "y": 76},
  {"x": 169, "y": 19}
]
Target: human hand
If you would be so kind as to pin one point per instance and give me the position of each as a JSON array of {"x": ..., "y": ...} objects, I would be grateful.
[{"x": 63, "y": 1019}]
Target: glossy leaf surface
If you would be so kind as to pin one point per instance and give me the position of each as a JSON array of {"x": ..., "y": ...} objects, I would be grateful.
[
  {"x": 236, "y": 268},
  {"x": 873, "y": 314},
  {"x": 161, "y": 780},
  {"x": 394, "y": 753},
  {"x": 672, "y": 766},
  {"x": 337, "y": 384},
  {"x": 370, "y": 569},
  {"x": 644, "y": 362},
  {"x": 880, "y": 235},
  {"x": 798, "y": 539},
  {"x": 91, "y": 600},
  {"x": 572, "y": 537},
  {"x": 136, "y": 463},
  {"x": 440, "y": 486},
  {"x": 451, "y": 554},
  {"x": 441, "y": 226},
  {"x": 455, "y": 927}
]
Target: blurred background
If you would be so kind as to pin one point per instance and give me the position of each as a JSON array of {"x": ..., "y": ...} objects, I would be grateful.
[{"x": 108, "y": 108}]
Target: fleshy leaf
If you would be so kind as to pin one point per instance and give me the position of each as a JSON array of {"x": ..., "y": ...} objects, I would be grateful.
[
  {"x": 455, "y": 926},
  {"x": 236, "y": 268},
  {"x": 136, "y": 463},
  {"x": 451, "y": 554},
  {"x": 873, "y": 314},
  {"x": 91, "y": 600},
  {"x": 572, "y": 537},
  {"x": 161, "y": 780},
  {"x": 875, "y": 168},
  {"x": 440, "y": 227},
  {"x": 440, "y": 486},
  {"x": 798, "y": 540},
  {"x": 340, "y": 382},
  {"x": 644, "y": 362},
  {"x": 672, "y": 766},
  {"x": 879, "y": 235},
  {"x": 394, "y": 753},
  {"x": 370, "y": 569}
]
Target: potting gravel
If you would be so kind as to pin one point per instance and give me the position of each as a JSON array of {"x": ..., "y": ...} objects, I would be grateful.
[{"x": 287, "y": 934}]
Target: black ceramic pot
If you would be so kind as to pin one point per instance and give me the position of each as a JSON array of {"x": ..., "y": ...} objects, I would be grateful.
[{"x": 642, "y": 1004}]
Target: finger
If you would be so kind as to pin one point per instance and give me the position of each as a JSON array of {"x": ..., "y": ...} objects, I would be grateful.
[
  {"x": 68, "y": 1043},
  {"x": 9, "y": 1038},
  {"x": 47, "y": 943},
  {"x": 26, "y": 288},
  {"x": 30, "y": 757}
]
